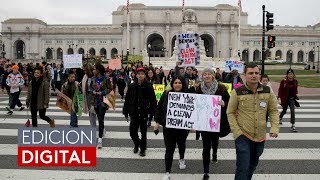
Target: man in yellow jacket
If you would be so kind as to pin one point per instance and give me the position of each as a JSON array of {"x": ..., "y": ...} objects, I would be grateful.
[{"x": 246, "y": 112}]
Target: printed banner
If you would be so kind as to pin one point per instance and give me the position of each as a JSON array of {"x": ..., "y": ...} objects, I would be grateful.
[
  {"x": 158, "y": 90},
  {"x": 114, "y": 64},
  {"x": 188, "y": 49},
  {"x": 193, "y": 111},
  {"x": 64, "y": 102},
  {"x": 72, "y": 61},
  {"x": 231, "y": 65}
]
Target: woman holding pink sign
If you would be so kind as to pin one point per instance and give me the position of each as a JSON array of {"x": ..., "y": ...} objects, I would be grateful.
[{"x": 210, "y": 86}]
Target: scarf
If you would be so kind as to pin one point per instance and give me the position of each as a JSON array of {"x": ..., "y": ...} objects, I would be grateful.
[{"x": 209, "y": 90}]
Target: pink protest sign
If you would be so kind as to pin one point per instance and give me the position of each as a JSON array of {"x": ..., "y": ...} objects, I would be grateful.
[
  {"x": 235, "y": 86},
  {"x": 114, "y": 64}
]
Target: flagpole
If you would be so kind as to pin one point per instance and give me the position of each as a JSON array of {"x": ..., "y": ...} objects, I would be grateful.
[
  {"x": 239, "y": 35},
  {"x": 182, "y": 8},
  {"x": 128, "y": 28}
]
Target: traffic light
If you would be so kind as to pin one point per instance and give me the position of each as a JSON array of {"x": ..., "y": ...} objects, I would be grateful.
[
  {"x": 271, "y": 42},
  {"x": 269, "y": 21}
]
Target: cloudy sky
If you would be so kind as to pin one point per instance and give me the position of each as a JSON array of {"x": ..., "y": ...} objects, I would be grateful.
[{"x": 287, "y": 12}]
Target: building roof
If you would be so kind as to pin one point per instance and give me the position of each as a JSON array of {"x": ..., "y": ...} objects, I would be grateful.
[{"x": 24, "y": 20}]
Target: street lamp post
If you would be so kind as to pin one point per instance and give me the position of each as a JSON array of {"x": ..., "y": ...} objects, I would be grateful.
[
  {"x": 313, "y": 50},
  {"x": 290, "y": 58},
  {"x": 149, "y": 48},
  {"x": 318, "y": 60},
  {"x": 133, "y": 50}
]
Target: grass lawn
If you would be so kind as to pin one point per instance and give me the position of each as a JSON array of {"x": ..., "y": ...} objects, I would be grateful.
[
  {"x": 308, "y": 82},
  {"x": 284, "y": 72}
]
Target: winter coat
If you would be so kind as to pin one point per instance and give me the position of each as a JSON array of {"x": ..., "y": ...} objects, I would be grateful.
[
  {"x": 42, "y": 97},
  {"x": 105, "y": 88},
  {"x": 283, "y": 92},
  {"x": 140, "y": 100}
]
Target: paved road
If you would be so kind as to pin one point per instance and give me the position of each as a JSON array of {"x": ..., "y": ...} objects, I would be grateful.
[{"x": 291, "y": 156}]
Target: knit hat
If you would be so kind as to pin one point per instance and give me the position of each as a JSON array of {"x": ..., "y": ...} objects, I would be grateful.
[
  {"x": 141, "y": 69},
  {"x": 209, "y": 70},
  {"x": 15, "y": 67},
  {"x": 290, "y": 71}
]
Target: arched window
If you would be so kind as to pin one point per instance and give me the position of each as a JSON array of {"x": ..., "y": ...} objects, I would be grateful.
[
  {"x": 245, "y": 55},
  {"x": 278, "y": 54},
  {"x": 300, "y": 56},
  {"x": 208, "y": 44},
  {"x": 92, "y": 51},
  {"x": 20, "y": 49},
  {"x": 59, "y": 53},
  {"x": 81, "y": 51},
  {"x": 289, "y": 56},
  {"x": 70, "y": 51},
  {"x": 256, "y": 55},
  {"x": 49, "y": 53},
  {"x": 103, "y": 52},
  {"x": 156, "y": 45},
  {"x": 114, "y": 53}
]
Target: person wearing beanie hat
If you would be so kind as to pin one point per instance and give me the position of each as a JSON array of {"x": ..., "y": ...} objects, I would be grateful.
[
  {"x": 15, "y": 81},
  {"x": 287, "y": 94},
  {"x": 210, "y": 140},
  {"x": 140, "y": 100}
]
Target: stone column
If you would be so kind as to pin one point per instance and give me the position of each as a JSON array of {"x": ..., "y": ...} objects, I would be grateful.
[
  {"x": 142, "y": 34},
  {"x": 167, "y": 42},
  {"x": 218, "y": 42}
]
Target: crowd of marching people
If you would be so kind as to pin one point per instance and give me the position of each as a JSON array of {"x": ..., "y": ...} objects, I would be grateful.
[{"x": 245, "y": 110}]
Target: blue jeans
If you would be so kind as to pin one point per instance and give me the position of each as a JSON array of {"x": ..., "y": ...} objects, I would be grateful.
[
  {"x": 73, "y": 119},
  {"x": 248, "y": 153}
]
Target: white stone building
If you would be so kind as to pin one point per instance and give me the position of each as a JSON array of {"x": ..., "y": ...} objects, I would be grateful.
[{"x": 28, "y": 40}]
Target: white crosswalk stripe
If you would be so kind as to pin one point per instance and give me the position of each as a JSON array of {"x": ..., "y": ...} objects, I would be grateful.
[{"x": 120, "y": 149}]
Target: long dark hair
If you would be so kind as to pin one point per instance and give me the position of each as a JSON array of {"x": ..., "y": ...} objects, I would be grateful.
[{"x": 184, "y": 85}]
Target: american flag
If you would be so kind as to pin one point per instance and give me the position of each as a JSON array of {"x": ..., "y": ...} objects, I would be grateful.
[
  {"x": 240, "y": 5},
  {"x": 128, "y": 6},
  {"x": 182, "y": 7}
]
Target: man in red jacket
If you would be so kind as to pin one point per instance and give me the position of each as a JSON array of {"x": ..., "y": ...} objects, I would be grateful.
[{"x": 287, "y": 93}]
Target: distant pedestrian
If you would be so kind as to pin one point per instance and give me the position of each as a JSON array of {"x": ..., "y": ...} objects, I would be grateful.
[
  {"x": 15, "y": 81},
  {"x": 287, "y": 93}
]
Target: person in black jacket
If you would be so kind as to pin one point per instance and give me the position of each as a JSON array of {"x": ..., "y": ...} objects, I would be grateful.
[
  {"x": 210, "y": 140},
  {"x": 171, "y": 136},
  {"x": 140, "y": 100}
]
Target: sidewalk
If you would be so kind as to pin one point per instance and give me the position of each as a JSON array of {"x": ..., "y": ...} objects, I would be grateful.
[{"x": 302, "y": 91}]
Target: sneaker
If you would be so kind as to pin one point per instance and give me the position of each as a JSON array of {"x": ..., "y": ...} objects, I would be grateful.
[
  {"x": 21, "y": 108},
  {"x": 142, "y": 153},
  {"x": 293, "y": 128},
  {"x": 166, "y": 176},
  {"x": 135, "y": 149},
  {"x": 182, "y": 164},
  {"x": 99, "y": 145},
  {"x": 280, "y": 121},
  {"x": 52, "y": 124},
  {"x": 205, "y": 177},
  {"x": 10, "y": 112}
]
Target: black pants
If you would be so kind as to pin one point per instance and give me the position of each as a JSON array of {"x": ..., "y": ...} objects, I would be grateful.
[
  {"x": 209, "y": 139},
  {"x": 121, "y": 91},
  {"x": 58, "y": 85},
  {"x": 101, "y": 111},
  {"x": 15, "y": 100},
  {"x": 171, "y": 138},
  {"x": 135, "y": 123},
  {"x": 42, "y": 114},
  {"x": 290, "y": 103}
]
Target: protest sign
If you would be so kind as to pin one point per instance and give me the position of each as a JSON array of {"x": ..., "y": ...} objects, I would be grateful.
[
  {"x": 231, "y": 65},
  {"x": 72, "y": 61},
  {"x": 193, "y": 111},
  {"x": 188, "y": 49},
  {"x": 158, "y": 90},
  {"x": 228, "y": 86},
  {"x": 235, "y": 86},
  {"x": 114, "y": 64},
  {"x": 63, "y": 102}
]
